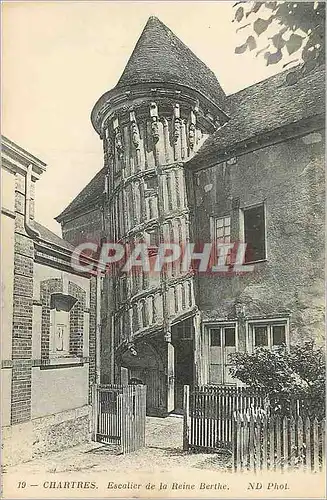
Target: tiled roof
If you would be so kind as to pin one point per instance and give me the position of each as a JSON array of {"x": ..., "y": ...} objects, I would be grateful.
[
  {"x": 90, "y": 194},
  {"x": 51, "y": 237},
  {"x": 264, "y": 107},
  {"x": 159, "y": 56}
]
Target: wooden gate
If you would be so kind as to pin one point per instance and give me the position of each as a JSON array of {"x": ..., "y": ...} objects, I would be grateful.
[
  {"x": 119, "y": 416},
  {"x": 209, "y": 412}
]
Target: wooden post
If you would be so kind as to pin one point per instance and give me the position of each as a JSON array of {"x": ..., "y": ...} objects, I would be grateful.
[
  {"x": 94, "y": 412},
  {"x": 307, "y": 428},
  {"x": 278, "y": 445},
  {"x": 265, "y": 444},
  {"x": 300, "y": 441},
  {"x": 315, "y": 446},
  {"x": 292, "y": 443},
  {"x": 323, "y": 442},
  {"x": 285, "y": 443},
  {"x": 251, "y": 443},
  {"x": 170, "y": 377},
  {"x": 186, "y": 417},
  {"x": 257, "y": 443},
  {"x": 239, "y": 443},
  {"x": 272, "y": 443}
]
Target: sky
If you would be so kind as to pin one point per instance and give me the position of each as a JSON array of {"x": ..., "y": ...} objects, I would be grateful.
[{"x": 59, "y": 57}]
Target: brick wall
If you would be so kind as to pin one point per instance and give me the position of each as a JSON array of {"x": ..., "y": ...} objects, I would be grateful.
[
  {"x": 47, "y": 288},
  {"x": 22, "y": 313},
  {"x": 76, "y": 319}
]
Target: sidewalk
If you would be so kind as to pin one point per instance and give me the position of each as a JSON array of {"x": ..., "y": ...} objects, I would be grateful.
[{"x": 163, "y": 452}]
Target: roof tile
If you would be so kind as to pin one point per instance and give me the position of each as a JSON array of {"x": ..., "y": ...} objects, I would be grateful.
[
  {"x": 88, "y": 196},
  {"x": 160, "y": 56},
  {"x": 264, "y": 107}
]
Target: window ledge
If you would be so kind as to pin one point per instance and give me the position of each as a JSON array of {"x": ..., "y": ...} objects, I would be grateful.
[
  {"x": 254, "y": 262},
  {"x": 61, "y": 362}
]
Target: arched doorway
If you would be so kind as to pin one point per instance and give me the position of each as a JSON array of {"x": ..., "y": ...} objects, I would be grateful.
[{"x": 145, "y": 365}]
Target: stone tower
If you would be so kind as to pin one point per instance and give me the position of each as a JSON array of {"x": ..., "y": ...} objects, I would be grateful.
[{"x": 166, "y": 103}]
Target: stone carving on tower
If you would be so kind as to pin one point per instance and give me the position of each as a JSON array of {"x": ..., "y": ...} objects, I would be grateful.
[{"x": 157, "y": 117}]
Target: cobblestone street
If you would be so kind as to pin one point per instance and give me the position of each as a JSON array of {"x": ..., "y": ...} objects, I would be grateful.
[{"x": 163, "y": 452}]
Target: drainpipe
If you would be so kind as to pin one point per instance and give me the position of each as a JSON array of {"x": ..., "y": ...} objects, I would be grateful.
[
  {"x": 28, "y": 182},
  {"x": 98, "y": 329}
]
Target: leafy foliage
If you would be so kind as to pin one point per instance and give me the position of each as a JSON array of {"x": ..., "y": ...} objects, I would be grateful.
[
  {"x": 285, "y": 375},
  {"x": 297, "y": 26}
]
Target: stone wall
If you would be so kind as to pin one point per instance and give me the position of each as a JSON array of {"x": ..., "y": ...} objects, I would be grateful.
[{"x": 289, "y": 179}]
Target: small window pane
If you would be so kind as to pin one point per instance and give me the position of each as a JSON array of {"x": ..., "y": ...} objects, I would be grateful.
[
  {"x": 220, "y": 232},
  {"x": 279, "y": 335},
  {"x": 230, "y": 337},
  {"x": 260, "y": 336},
  {"x": 227, "y": 230},
  {"x": 215, "y": 337},
  {"x": 220, "y": 222},
  {"x": 227, "y": 221}
]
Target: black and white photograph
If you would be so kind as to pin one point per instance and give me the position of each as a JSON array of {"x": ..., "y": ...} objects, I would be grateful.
[{"x": 163, "y": 249}]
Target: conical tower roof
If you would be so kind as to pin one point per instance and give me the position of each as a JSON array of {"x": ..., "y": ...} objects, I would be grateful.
[{"x": 160, "y": 57}]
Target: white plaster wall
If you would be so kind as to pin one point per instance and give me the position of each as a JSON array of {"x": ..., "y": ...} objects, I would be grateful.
[{"x": 58, "y": 389}]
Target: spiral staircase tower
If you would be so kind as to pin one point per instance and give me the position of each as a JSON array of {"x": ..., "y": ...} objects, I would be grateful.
[{"x": 165, "y": 105}]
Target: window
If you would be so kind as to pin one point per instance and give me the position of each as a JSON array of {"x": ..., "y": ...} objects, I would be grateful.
[
  {"x": 269, "y": 334},
  {"x": 215, "y": 337},
  {"x": 220, "y": 229},
  {"x": 60, "y": 306},
  {"x": 261, "y": 336},
  {"x": 278, "y": 334},
  {"x": 254, "y": 233},
  {"x": 220, "y": 233},
  {"x": 230, "y": 337},
  {"x": 222, "y": 341},
  {"x": 223, "y": 336}
]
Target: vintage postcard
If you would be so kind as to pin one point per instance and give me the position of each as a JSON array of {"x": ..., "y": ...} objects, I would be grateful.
[{"x": 162, "y": 249}]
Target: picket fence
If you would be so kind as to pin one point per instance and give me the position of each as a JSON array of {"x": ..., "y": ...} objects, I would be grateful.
[
  {"x": 274, "y": 443},
  {"x": 119, "y": 416},
  {"x": 209, "y": 413}
]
